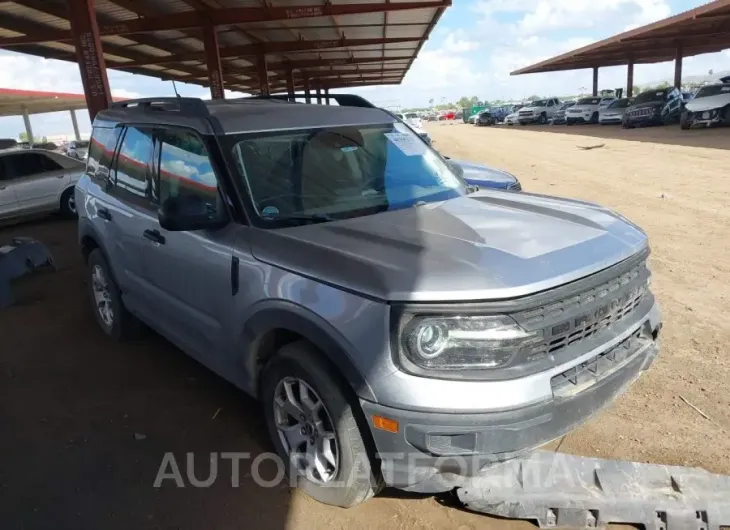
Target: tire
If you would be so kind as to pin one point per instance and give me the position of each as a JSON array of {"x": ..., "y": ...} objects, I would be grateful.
[
  {"x": 594, "y": 118},
  {"x": 122, "y": 325},
  {"x": 523, "y": 123},
  {"x": 569, "y": 122},
  {"x": 543, "y": 119},
  {"x": 684, "y": 121},
  {"x": 67, "y": 206},
  {"x": 355, "y": 471}
]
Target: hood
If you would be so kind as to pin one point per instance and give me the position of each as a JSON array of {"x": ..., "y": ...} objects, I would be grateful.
[
  {"x": 513, "y": 114},
  {"x": 532, "y": 109},
  {"x": 489, "y": 245},
  {"x": 709, "y": 103},
  {"x": 619, "y": 111},
  {"x": 648, "y": 104},
  {"x": 480, "y": 175}
]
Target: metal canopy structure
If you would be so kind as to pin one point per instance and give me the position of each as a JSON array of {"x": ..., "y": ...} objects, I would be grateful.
[
  {"x": 705, "y": 29},
  {"x": 257, "y": 46},
  {"x": 16, "y": 102}
]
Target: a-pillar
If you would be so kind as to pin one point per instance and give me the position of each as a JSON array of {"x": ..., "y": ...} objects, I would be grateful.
[
  {"x": 89, "y": 55},
  {"x": 75, "y": 123},
  {"x": 263, "y": 75},
  {"x": 213, "y": 62},
  {"x": 290, "y": 84},
  {"x": 28, "y": 128},
  {"x": 307, "y": 93},
  {"x": 630, "y": 79},
  {"x": 595, "y": 80},
  {"x": 678, "y": 67}
]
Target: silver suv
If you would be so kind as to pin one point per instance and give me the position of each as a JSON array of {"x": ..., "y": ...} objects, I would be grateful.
[{"x": 398, "y": 327}]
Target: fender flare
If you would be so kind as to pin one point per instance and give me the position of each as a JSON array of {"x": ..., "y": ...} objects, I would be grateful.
[{"x": 280, "y": 314}]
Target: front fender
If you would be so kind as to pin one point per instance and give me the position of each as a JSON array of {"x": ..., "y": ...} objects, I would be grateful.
[{"x": 284, "y": 315}]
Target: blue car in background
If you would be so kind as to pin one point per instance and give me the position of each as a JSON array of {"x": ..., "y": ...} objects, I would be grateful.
[{"x": 500, "y": 113}]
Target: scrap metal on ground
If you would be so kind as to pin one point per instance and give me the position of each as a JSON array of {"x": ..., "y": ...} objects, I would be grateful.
[{"x": 22, "y": 256}]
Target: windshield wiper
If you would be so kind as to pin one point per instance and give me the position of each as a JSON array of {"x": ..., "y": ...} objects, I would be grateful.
[{"x": 314, "y": 217}]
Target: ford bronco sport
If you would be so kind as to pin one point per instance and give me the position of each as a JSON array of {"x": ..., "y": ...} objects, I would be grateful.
[{"x": 397, "y": 327}]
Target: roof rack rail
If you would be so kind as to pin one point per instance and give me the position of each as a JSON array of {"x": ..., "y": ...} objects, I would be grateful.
[
  {"x": 192, "y": 106},
  {"x": 343, "y": 100}
]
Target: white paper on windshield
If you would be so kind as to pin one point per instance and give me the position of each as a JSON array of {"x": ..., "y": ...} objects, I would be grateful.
[{"x": 409, "y": 144}]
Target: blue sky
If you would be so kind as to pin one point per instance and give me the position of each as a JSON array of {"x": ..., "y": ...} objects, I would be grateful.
[{"x": 471, "y": 52}]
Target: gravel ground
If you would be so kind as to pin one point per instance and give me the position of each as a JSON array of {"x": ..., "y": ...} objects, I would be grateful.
[{"x": 85, "y": 422}]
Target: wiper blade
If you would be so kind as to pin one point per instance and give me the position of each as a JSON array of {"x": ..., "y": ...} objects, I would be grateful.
[{"x": 315, "y": 217}]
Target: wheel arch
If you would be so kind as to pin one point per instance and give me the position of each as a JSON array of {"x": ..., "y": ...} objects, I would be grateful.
[{"x": 278, "y": 323}]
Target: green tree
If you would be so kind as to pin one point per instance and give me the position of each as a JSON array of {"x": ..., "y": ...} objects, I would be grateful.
[
  {"x": 464, "y": 102},
  {"x": 430, "y": 102},
  {"x": 23, "y": 137},
  {"x": 533, "y": 98}
]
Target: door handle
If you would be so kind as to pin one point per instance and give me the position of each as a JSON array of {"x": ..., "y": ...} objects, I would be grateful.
[
  {"x": 104, "y": 214},
  {"x": 154, "y": 236}
]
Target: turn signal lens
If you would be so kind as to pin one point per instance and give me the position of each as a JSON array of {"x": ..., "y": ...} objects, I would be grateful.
[{"x": 385, "y": 424}]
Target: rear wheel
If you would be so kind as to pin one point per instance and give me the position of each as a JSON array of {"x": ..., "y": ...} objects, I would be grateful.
[
  {"x": 106, "y": 300},
  {"x": 68, "y": 204},
  {"x": 312, "y": 421}
]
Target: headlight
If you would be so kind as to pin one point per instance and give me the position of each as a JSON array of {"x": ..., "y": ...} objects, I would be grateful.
[{"x": 464, "y": 342}]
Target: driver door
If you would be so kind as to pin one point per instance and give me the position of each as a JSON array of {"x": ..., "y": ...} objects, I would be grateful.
[{"x": 8, "y": 200}]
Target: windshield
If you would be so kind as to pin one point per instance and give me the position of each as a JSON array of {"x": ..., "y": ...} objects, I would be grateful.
[
  {"x": 412, "y": 116},
  {"x": 589, "y": 101},
  {"x": 651, "y": 95},
  {"x": 539, "y": 103},
  {"x": 620, "y": 104},
  {"x": 341, "y": 172},
  {"x": 567, "y": 105},
  {"x": 712, "y": 90}
]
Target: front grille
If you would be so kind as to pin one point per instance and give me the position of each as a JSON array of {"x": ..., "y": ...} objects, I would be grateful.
[
  {"x": 526, "y": 113},
  {"x": 572, "y": 320},
  {"x": 641, "y": 112},
  {"x": 585, "y": 374}
]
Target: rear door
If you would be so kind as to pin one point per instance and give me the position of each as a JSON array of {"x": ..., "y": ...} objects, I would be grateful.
[
  {"x": 38, "y": 180},
  {"x": 8, "y": 201}
]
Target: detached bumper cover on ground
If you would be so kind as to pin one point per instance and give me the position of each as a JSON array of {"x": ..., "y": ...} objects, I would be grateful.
[
  {"x": 22, "y": 256},
  {"x": 556, "y": 489}
]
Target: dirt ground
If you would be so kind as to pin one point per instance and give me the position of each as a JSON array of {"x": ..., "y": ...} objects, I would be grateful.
[{"x": 84, "y": 422}]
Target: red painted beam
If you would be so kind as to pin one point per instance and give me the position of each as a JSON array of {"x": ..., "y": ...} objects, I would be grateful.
[
  {"x": 227, "y": 17},
  {"x": 82, "y": 18},
  {"x": 213, "y": 62}
]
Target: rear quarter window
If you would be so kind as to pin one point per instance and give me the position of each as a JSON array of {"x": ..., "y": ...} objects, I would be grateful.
[{"x": 101, "y": 150}]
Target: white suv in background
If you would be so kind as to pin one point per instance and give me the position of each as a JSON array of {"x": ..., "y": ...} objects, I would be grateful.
[
  {"x": 587, "y": 110},
  {"x": 539, "y": 111}
]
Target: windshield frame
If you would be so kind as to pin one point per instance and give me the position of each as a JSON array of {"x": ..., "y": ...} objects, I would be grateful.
[
  {"x": 255, "y": 218},
  {"x": 639, "y": 101},
  {"x": 718, "y": 90},
  {"x": 613, "y": 104},
  {"x": 539, "y": 103},
  {"x": 589, "y": 101}
]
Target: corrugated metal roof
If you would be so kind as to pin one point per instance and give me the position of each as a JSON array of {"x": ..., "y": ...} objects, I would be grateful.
[
  {"x": 700, "y": 30},
  {"x": 155, "y": 32}
]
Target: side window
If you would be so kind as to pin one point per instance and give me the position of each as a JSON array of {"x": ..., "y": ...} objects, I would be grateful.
[
  {"x": 551, "y": 103},
  {"x": 23, "y": 165},
  {"x": 101, "y": 151},
  {"x": 185, "y": 172},
  {"x": 49, "y": 164},
  {"x": 131, "y": 165}
]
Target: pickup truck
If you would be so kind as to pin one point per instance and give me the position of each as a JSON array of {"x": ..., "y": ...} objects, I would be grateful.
[{"x": 539, "y": 111}]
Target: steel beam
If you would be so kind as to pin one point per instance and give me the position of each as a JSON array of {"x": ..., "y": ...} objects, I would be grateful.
[
  {"x": 225, "y": 17},
  {"x": 75, "y": 124},
  {"x": 307, "y": 94},
  {"x": 595, "y": 80},
  {"x": 290, "y": 84},
  {"x": 319, "y": 96},
  {"x": 263, "y": 75},
  {"x": 82, "y": 18},
  {"x": 630, "y": 79},
  {"x": 28, "y": 128},
  {"x": 678, "y": 67},
  {"x": 213, "y": 62},
  {"x": 268, "y": 47},
  {"x": 327, "y": 96}
]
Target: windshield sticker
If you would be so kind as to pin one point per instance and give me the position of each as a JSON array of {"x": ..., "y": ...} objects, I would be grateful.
[
  {"x": 660, "y": 93},
  {"x": 725, "y": 89},
  {"x": 348, "y": 149},
  {"x": 270, "y": 210},
  {"x": 407, "y": 143}
]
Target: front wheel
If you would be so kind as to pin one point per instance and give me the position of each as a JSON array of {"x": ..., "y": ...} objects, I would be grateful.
[
  {"x": 684, "y": 121},
  {"x": 594, "y": 118},
  {"x": 543, "y": 119},
  {"x": 106, "y": 300},
  {"x": 312, "y": 421}
]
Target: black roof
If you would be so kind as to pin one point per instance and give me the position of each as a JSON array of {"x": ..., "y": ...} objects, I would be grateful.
[{"x": 243, "y": 115}]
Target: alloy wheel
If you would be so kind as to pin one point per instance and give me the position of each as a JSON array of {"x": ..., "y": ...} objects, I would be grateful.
[
  {"x": 306, "y": 430},
  {"x": 102, "y": 296}
]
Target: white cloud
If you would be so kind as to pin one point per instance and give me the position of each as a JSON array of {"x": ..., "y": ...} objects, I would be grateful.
[{"x": 454, "y": 44}]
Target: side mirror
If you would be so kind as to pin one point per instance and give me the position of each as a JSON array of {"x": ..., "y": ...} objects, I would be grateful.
[{"x": 191, "y": 212}]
